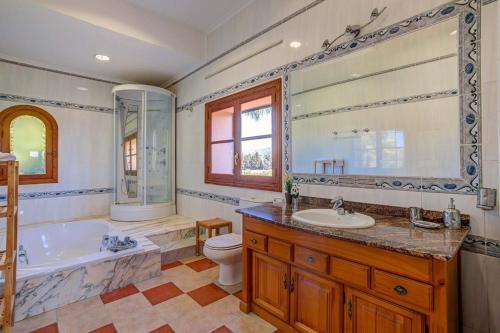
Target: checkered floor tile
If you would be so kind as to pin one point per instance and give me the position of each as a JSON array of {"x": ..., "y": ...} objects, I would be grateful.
[{"x": 186, "y": 298}]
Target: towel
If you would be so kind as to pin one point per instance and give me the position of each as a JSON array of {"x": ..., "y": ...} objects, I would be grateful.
[{"x": 7, "y": 157}]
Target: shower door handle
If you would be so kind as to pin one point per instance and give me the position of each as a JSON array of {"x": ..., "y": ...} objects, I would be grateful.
[{"x": 236, "y": 157}]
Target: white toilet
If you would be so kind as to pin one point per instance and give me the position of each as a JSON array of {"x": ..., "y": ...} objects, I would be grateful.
[{"x": 226, "y": 251}]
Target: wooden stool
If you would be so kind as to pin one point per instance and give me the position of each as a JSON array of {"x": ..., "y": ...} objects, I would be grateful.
[{"x": 210, "y": 225}]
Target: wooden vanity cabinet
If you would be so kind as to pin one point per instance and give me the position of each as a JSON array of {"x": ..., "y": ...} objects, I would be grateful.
[
  {"x": 270, "y": 285},
  {"x": 301, "y": 282},
  {"x": 367, "y": 314}
]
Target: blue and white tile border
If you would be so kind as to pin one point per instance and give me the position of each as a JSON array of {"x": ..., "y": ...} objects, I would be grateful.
[
  {"x": 54, "y": 103},
  {"x": 481, "y": 245},
  {"x": 468, "y": 13},
  {"x": 61, "y": 193},
  {"x": 234, "y": 201}
]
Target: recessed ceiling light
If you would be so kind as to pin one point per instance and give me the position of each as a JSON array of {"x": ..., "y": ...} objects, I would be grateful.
[
  {"x": 295, "y": 44},
  {"x": 454, "y": 32},
  {"x": 355, "y": 75},
  {"x": 82, "y": 88},
  {"x": 102, "y": 57}
]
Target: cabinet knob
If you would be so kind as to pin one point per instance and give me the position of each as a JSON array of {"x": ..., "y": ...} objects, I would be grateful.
[
  {"x": 310, "y": 258},
  {"x": 400, "y": 290},
  {"x": 253, "y": 241}
]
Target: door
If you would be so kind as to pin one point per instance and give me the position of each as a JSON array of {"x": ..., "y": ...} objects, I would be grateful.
[
  {"x": 316, "y": 303},
  {"x": 366, "y": 314},
  {"x": 270, "y": 285}
]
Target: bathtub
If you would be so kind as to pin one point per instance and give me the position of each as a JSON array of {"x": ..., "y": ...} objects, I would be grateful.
[{"x": 53, "y": 247}]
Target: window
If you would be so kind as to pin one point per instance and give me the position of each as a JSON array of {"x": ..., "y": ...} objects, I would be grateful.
[
  {"x": 243, "y": 138},
  {"x": 130, "y": 145},
  {"x": 30, "y": 133}
]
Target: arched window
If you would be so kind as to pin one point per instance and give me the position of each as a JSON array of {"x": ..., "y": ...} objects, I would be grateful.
[{"x": 30, "y": 133}]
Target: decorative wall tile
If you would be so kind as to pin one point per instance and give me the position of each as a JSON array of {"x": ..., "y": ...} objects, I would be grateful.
[
  {"x": 63, "y": 193},
  {"x": 48, "y": 102},
  {"x": 210, "y": 196}
]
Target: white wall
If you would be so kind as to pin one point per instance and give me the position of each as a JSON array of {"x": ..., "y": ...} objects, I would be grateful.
[
  {"x": 327, "y": 20},
  {"x": 85, "y": 142}
]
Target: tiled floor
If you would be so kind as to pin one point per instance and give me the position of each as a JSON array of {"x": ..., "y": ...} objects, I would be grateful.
[{"x": 184, "y": 299}]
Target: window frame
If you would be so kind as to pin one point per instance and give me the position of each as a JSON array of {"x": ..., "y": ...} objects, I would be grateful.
[
  {"x": 51, "y": 140},
  {"x": 129, "y": 138},
  {"x": 269, "y": 183}
]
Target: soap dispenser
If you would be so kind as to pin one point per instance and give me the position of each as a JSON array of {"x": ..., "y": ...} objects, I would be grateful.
[{"x": 451, "y": 216}]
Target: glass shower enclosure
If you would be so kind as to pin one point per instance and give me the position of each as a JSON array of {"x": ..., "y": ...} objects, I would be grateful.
[{"x": 144, "y": 153}]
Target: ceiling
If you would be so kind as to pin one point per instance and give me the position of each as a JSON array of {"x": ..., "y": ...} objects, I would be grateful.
[
  {"x": 202, "y": 15},
  {"x": 149, "y": 41}
]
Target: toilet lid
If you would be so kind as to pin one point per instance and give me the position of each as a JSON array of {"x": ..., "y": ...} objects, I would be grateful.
[{"x": 224, "y": 242}]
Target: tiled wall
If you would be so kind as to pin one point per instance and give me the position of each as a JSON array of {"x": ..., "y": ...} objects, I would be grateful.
[
  {"x": 327, "y": 20},
  {"x": 85, "y": 141}
]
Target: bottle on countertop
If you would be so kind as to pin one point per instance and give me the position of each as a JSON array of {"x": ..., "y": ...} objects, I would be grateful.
[{"x": 451, "y": 216}]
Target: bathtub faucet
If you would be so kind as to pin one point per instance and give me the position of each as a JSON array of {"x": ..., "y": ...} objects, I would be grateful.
[
  {"x": 104, "y": 243},
  {"x": 114, "y": 244},
  {"x": 23, "y": 255}
]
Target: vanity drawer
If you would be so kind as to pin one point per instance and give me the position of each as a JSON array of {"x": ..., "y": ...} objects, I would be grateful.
[
  {"x": 402, "y": 289},
  {"x": 354, "y": 273},
  {"x": 311, "y": 259},
  {"x": 255, "y": 241},
  {"x": 279, "y": 249}
]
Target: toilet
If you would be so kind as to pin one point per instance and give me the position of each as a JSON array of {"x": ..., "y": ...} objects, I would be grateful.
[{"x": 226, "y": 251}]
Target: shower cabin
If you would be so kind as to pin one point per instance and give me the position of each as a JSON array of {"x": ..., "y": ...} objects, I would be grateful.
[{"x": 144, "y": 153}]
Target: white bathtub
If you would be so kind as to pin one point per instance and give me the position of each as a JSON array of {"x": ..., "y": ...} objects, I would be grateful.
[{"x": 59, "y": 246}]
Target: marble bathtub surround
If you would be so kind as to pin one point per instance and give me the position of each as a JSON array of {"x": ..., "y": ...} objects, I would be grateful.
[
  {"x": 393, "y": 233},
  {"x": 45, "y": 293}
]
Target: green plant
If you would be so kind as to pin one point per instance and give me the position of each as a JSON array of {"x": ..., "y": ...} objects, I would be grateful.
[{"x": 288, "y": 183}]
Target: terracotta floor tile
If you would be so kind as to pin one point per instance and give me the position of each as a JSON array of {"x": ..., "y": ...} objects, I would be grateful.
[
  {"x": 119, "y": 293},
  {"x": 239, "y": 294},
  {"x": 170, "y": 265},
  {"x": 222, "y": 329},
  {"x": 201, "y": 265},
  {"x": 105, "y": 329},
  {"x": 162, "y": 293},
  {"x": 52, "y": 328},
  {"x": 163, "y": 329},
  {"x": 207, "y": 294}
]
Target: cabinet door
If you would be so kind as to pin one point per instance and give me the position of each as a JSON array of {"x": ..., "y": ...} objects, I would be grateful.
[
  {"x": 270, "y": 285},
  {"x": 316, "y": 303},
  {"x": 366, "y": 314}
]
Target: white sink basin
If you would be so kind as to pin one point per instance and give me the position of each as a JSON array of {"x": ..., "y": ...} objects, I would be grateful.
[{"x": 330, "y": 218}]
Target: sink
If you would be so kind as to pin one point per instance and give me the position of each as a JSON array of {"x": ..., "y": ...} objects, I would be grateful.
[{"x": 330, "y": 218}]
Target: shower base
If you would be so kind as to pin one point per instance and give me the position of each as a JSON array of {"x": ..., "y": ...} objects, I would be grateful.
[{"x": 137, "y": 213}]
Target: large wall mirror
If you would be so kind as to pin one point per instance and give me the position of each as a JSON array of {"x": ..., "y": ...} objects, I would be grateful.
[{"x": 398, "y": 112}]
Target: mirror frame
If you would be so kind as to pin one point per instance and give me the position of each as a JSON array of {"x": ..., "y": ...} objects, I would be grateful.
[{"x": 468, "y": 13}]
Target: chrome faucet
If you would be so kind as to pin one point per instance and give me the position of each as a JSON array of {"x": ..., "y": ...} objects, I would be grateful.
[
  {"x": 104, "y": 243},
  {"x": 23, "y": 255},
  {"x": 338, "y": 203}
]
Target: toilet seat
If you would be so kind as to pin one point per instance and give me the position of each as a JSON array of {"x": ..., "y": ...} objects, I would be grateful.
[{"x": 224, "y": 242}]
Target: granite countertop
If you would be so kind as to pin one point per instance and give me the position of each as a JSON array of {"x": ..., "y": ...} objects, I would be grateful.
[{"x": 393, "y": 233}]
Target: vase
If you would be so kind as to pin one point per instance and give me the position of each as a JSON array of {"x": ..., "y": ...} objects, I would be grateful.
[{"x": 288, "y": 199}]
